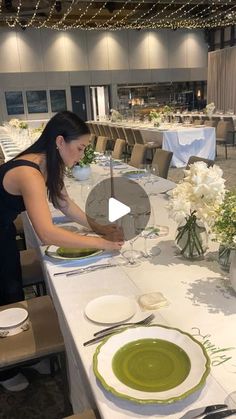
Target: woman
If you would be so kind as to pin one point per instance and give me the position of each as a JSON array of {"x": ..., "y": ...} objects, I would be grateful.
[{"x": 25, "y": 183}]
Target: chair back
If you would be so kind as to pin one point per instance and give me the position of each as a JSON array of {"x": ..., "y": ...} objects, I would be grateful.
[
  {"x": 121, "y": 133},
  {"x": 96, "y": 130},
  {"x": 222, "y": 129},
  {"x": 92, "y": 139},
  {"x": 210, "y": 123},
  {"x": 138, "y": 155},
  {"x": 194, "y": 159},
  {"x": 118, "y": 149},
  {"x": 114, "y": 133},
  {"x": 130, "y": 136},
  {"x": 138, "y": 136},
  {"x": 101, "y": 144},
  {"x": 162, "y": 160}
]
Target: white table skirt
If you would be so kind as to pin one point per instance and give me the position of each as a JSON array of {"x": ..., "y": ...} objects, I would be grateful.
[
  {"x": 200, "y": 302},
  {"x": 200, "y": 147}
]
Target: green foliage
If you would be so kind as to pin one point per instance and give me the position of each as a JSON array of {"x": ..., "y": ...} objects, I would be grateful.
[
  {"x": 89, "y": 156},
  {"x": 224, "y": 229},
  {"x": 23, "y": 125}
]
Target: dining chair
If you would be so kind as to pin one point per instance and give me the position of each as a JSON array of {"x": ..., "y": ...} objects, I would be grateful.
[
  {"x": 211, "y": 123},
  {"x": 32, "y": 274},
  {"x": 138, "y": 136},
  {"x": 222, "y": 130},
  {"x": 194, "y": 159},
  {"x": 138, "y": 155},
  {"x": 41, "y": 338},
  {"x": 101, "y": 144},
  {"x": 118, "y": 149},
  {"x": 92, "y": 139},
  {"x": 162, "y": 160}
]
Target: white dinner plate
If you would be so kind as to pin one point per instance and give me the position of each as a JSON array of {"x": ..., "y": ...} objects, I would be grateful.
[
  {"x": 13, "y": 321},
  {"x": 52, "y": 251},
  {"x": 110, "y": 309},
  {"x": 154, "y": 364}
]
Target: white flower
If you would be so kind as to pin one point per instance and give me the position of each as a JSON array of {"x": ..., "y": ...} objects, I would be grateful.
[
  {"x": 201, "y": 192},
  {"x": 234, "y": 239},
  {"x": 14, "y": 122}
]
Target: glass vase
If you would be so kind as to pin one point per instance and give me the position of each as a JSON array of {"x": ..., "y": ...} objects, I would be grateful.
[
  {"x": 225, "y": 257},
  {"x": 191, "y": 238}
]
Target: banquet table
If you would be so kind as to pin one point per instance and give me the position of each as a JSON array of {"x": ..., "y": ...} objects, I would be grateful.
[
  {"x": 184, "y": 140},
  {"x": 200, "y": 302}
]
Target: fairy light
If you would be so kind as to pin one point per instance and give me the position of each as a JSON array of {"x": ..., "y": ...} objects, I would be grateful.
[
  {"x": 61, "y": 21},
  {"x": 95, "y": 15},
  {"x": 134, "y": 24},
  {"x": 15, "y": 20},
  {"x": 44, "y": 24},
  {"x": 130, "y": 14},
  {"x": 219, "y": 13}
]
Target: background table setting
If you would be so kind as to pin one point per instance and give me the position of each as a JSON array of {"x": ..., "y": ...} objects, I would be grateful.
[{"x": 192, "y": 303}]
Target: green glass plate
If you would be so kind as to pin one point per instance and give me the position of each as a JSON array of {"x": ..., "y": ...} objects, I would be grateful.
[
  {"x": 151, "y": 365},
  {"x": 71, "y": 253}
]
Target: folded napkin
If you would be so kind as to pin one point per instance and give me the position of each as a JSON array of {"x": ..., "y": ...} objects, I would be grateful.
[{"x": 190, "y": 135}]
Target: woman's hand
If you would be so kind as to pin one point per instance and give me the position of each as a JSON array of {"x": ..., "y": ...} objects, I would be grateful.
[
  {"x": 110, "y": 245},
  {"x": 111, "y": 232}
]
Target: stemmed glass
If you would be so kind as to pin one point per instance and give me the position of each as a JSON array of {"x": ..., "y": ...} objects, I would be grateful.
[
  {"x": 153, "y": 232},
  {"x": 133, "y": 256}
]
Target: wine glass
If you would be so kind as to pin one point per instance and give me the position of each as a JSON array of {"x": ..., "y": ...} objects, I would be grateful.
[
  {"x": 152, "y": 232},
  {"x": 130, "y": 226}
]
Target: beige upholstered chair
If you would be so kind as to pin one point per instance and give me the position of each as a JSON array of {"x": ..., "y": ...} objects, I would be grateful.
[
  {"x": 162, "y": 160},
  {"x": 118, "y": 149},
  {"x": 194, "y": 159},
  {"x": 138, "y": 136},
  {"x": 92, "y": 139},
  {"x": 222, "y": 129},
  {"x": 42, "y": 339},
  {"x": 101, "y": 144},
  {"x": 138, "y": 155},
  {"x": 87, "y": 414},
  {"x": 32, "y": 274},
  {"x": 211, "y": 123}
]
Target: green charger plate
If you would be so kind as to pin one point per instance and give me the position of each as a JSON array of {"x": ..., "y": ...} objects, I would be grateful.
[
  {"x": 154, "y": 364},
  {"x": 71, "y": 253}
]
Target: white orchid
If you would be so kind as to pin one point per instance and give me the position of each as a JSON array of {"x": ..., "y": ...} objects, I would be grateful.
[
  {"x": 200, "y": 192},
  {"x": 14, "y": 122}
]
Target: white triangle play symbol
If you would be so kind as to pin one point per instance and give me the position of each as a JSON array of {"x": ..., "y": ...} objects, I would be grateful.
[{"x": 116, "y": 210}]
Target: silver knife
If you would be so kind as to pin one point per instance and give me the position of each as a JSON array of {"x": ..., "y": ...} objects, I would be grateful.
[
  {"x": 84, "y": 270},
  {"x": 220, "y": 415},
  {"x": 200, "y": 411}
]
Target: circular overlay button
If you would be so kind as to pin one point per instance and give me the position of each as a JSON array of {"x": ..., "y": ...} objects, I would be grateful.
[{"x": 118, "y": 201}]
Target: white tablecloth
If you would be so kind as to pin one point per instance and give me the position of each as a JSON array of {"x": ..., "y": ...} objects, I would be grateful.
[
  {"x": 202, "y": 147},
  {"x": 201, "y": 302}
]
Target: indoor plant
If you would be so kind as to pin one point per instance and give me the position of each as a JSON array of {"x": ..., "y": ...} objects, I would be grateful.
[
  {"x": 193, "y": 205},
  {"x": 224, "y": 229},
  {"x": 82, "y": 170}
]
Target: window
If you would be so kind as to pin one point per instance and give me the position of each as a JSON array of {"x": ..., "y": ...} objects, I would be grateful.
[
  {"x": 58, "y": 100},
  {"x": 14, "y": 102},
  {"x": 37, "y": 101}
]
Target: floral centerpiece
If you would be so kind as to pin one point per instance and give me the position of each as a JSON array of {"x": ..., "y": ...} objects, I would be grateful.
[
  {"x": 167, "y": 109},
  {"x": 115, "y": 115},
  {"x": 224, "y": 229},
  {"x": 16, "y": 123},
  {"x": 155, "y": 117},
  {"x": 193, "y": 205},
  {"x": 81, "y": 170},
  {"x": 210, "y": 108}
]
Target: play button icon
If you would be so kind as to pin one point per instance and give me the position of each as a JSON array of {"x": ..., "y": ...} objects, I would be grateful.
[
  {"x": 117, "y": 210},
  {"x": 119, "y": 201}
]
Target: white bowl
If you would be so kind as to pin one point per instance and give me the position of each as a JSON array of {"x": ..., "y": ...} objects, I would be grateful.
[{"x": 13, "y": 321}]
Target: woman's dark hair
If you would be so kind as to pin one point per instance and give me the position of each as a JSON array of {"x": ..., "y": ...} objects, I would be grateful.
[{"x": 70, "y": 126}]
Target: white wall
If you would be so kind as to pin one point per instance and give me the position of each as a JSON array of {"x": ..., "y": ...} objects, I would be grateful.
[{"x": 53, "y": 59}]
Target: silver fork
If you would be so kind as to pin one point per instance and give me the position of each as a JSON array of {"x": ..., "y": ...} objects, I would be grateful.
[{"x": 143, "y": 322}]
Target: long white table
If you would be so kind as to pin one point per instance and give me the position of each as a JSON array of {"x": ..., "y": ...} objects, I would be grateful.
[{"x": 201, "y": 302}]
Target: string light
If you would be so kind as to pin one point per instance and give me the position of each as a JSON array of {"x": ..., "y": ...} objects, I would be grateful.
[{"x": 214, "y": 14}]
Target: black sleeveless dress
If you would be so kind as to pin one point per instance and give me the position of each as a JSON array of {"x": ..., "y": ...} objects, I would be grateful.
[{"x": 11, "y": 289}]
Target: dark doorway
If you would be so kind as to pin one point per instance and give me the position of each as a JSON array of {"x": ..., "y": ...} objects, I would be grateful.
[{"x": 78, "y": 101}]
